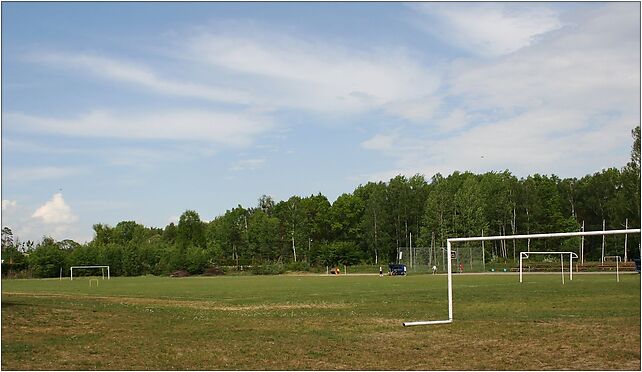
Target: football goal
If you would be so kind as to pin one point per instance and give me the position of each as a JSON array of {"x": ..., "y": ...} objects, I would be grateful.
[
  {"x": 101, "y": 267},
  {"x": 450, "y": 241},
  {"x": 571, "y": 256}
]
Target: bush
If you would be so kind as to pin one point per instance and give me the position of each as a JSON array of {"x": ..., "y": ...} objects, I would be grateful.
[
  {"x": 196, "y": 260},
  {"x": 268, "y": 269},
  {"x": 298, "y": 266}
]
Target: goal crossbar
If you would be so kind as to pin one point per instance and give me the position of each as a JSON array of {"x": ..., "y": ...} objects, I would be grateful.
[
  {"x": 71, "y": 269},
  {"x": 505, "y": 237}
]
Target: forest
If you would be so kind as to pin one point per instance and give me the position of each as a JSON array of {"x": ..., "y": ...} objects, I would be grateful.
[{"x": 366, "y": 226}]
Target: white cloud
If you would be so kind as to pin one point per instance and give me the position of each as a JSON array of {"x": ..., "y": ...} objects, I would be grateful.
[
  {"x": 564, "y": 105},
  {"x": 380, "y": 142},
  {"x": 593, "y": 65},
  {"x": 180, "y": 125},
  {"x": 55, "y": 212},
  {"x": 40, "y": 173},
  {"x": 113, "y": 69},
  {"x": 248, "y": 164},
  {"x": 8, "y": 204},
  {"x": 488, "y": 29},
  {"x": 416, "y": 110},
  {"x": 295, "y": 73},
  {"x": 456, "y": 120}
]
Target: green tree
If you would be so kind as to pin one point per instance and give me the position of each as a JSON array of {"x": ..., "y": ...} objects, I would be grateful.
[
  {"x": 263, "y": 232},
  {"x": 169, "y": 233},
  {"x": 7, "y": 238},
  {"x": 47, "y": 259},
  {"x": 346, "y": 214},
  {"x": 190, "y": 230}
]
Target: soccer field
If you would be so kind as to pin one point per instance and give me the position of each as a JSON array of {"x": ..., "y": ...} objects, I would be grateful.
[{"x": 311, "y": 322}]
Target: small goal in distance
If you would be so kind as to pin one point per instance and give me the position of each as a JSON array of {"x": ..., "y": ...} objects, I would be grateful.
[
  {"x": 450, "y": 241},
  {"x": 102, "y": 267},
  {"x": 571, "y": 256}
]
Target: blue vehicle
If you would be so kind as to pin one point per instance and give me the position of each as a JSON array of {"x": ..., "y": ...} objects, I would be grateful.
[{"x": 397, "y": 269}]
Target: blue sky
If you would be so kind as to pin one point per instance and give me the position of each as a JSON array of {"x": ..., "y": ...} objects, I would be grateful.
[{"x": 139, "y": 111}]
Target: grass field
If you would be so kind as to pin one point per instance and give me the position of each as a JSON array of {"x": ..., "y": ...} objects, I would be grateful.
[{"x": 322, "y": 323}]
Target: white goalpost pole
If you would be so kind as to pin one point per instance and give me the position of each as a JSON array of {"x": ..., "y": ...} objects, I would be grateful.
[
  {"x": 502, "y": 237},
  {"x": 617, "y": 266},
  {"x": 626, "y": 240},
  {"x": 562, "y": 263},
  {"x": 520, "y": 265},
  {"x": 582, "y": 246}
]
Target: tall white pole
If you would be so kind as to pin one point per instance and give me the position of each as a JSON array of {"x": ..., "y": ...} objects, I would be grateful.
[
  {"x": 293, "y": 248},
  {"x": 603, "y": 228},
  {"x": 626, "y": 239},
  {"x": 570, "y": 265},
  {"x": 617, "y": 268},
  {"x": 108, "y": 276},
  {"x": 520, "y": 266},
  {"x": 562, "y": 261},
  {"x": 450, "y": 282},
  {"x": 582, "y": 246},
  {"x": 483, "y": 252},
  {"x": 410, "y": 249}
]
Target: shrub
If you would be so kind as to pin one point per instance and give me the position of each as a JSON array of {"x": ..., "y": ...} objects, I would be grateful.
[
  {"x": 268, "y": 269},
  {"x": 298, "y": 266}
]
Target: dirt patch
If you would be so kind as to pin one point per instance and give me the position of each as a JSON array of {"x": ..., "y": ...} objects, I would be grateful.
[
  {"x": 179, "y": 274},
  {"x": 192, "y": 304},
  {"x": 213, "y": 271}
]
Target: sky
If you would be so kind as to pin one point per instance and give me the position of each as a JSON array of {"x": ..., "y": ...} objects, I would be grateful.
[{"x": 140, "y": 111}]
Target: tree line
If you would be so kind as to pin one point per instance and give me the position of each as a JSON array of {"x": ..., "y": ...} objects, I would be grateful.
[{"x": 366, "y": 226}]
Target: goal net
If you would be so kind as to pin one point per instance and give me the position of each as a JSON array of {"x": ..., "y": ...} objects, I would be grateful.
[
  {"x": 102, "y": 269},
  {"x": 467, "y": 258}
]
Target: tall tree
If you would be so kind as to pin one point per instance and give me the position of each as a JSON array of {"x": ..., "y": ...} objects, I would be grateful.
[{"x": 190, "y": 230}]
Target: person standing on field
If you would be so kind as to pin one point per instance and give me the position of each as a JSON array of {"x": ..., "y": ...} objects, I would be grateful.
[
  {"x": 380, "y": 271},
  {"x": 434, "y": 269}
]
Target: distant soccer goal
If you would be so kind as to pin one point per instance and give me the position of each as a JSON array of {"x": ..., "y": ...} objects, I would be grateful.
[
  {"x": 101, "y": 267},
  {"x": 571, "y": 256},
  {"x": 450, "y": 241}
]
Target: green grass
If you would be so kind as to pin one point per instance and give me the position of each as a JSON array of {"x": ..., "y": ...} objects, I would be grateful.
[{"x": 322, "y": 323}]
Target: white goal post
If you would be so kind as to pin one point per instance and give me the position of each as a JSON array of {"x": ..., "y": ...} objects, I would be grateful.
[
  {"x": 571, "y": 256},
  {"x": 617, "y": 266},
  {"x": 504, "y": 237},
  {"x": 91, "y": 267}
]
